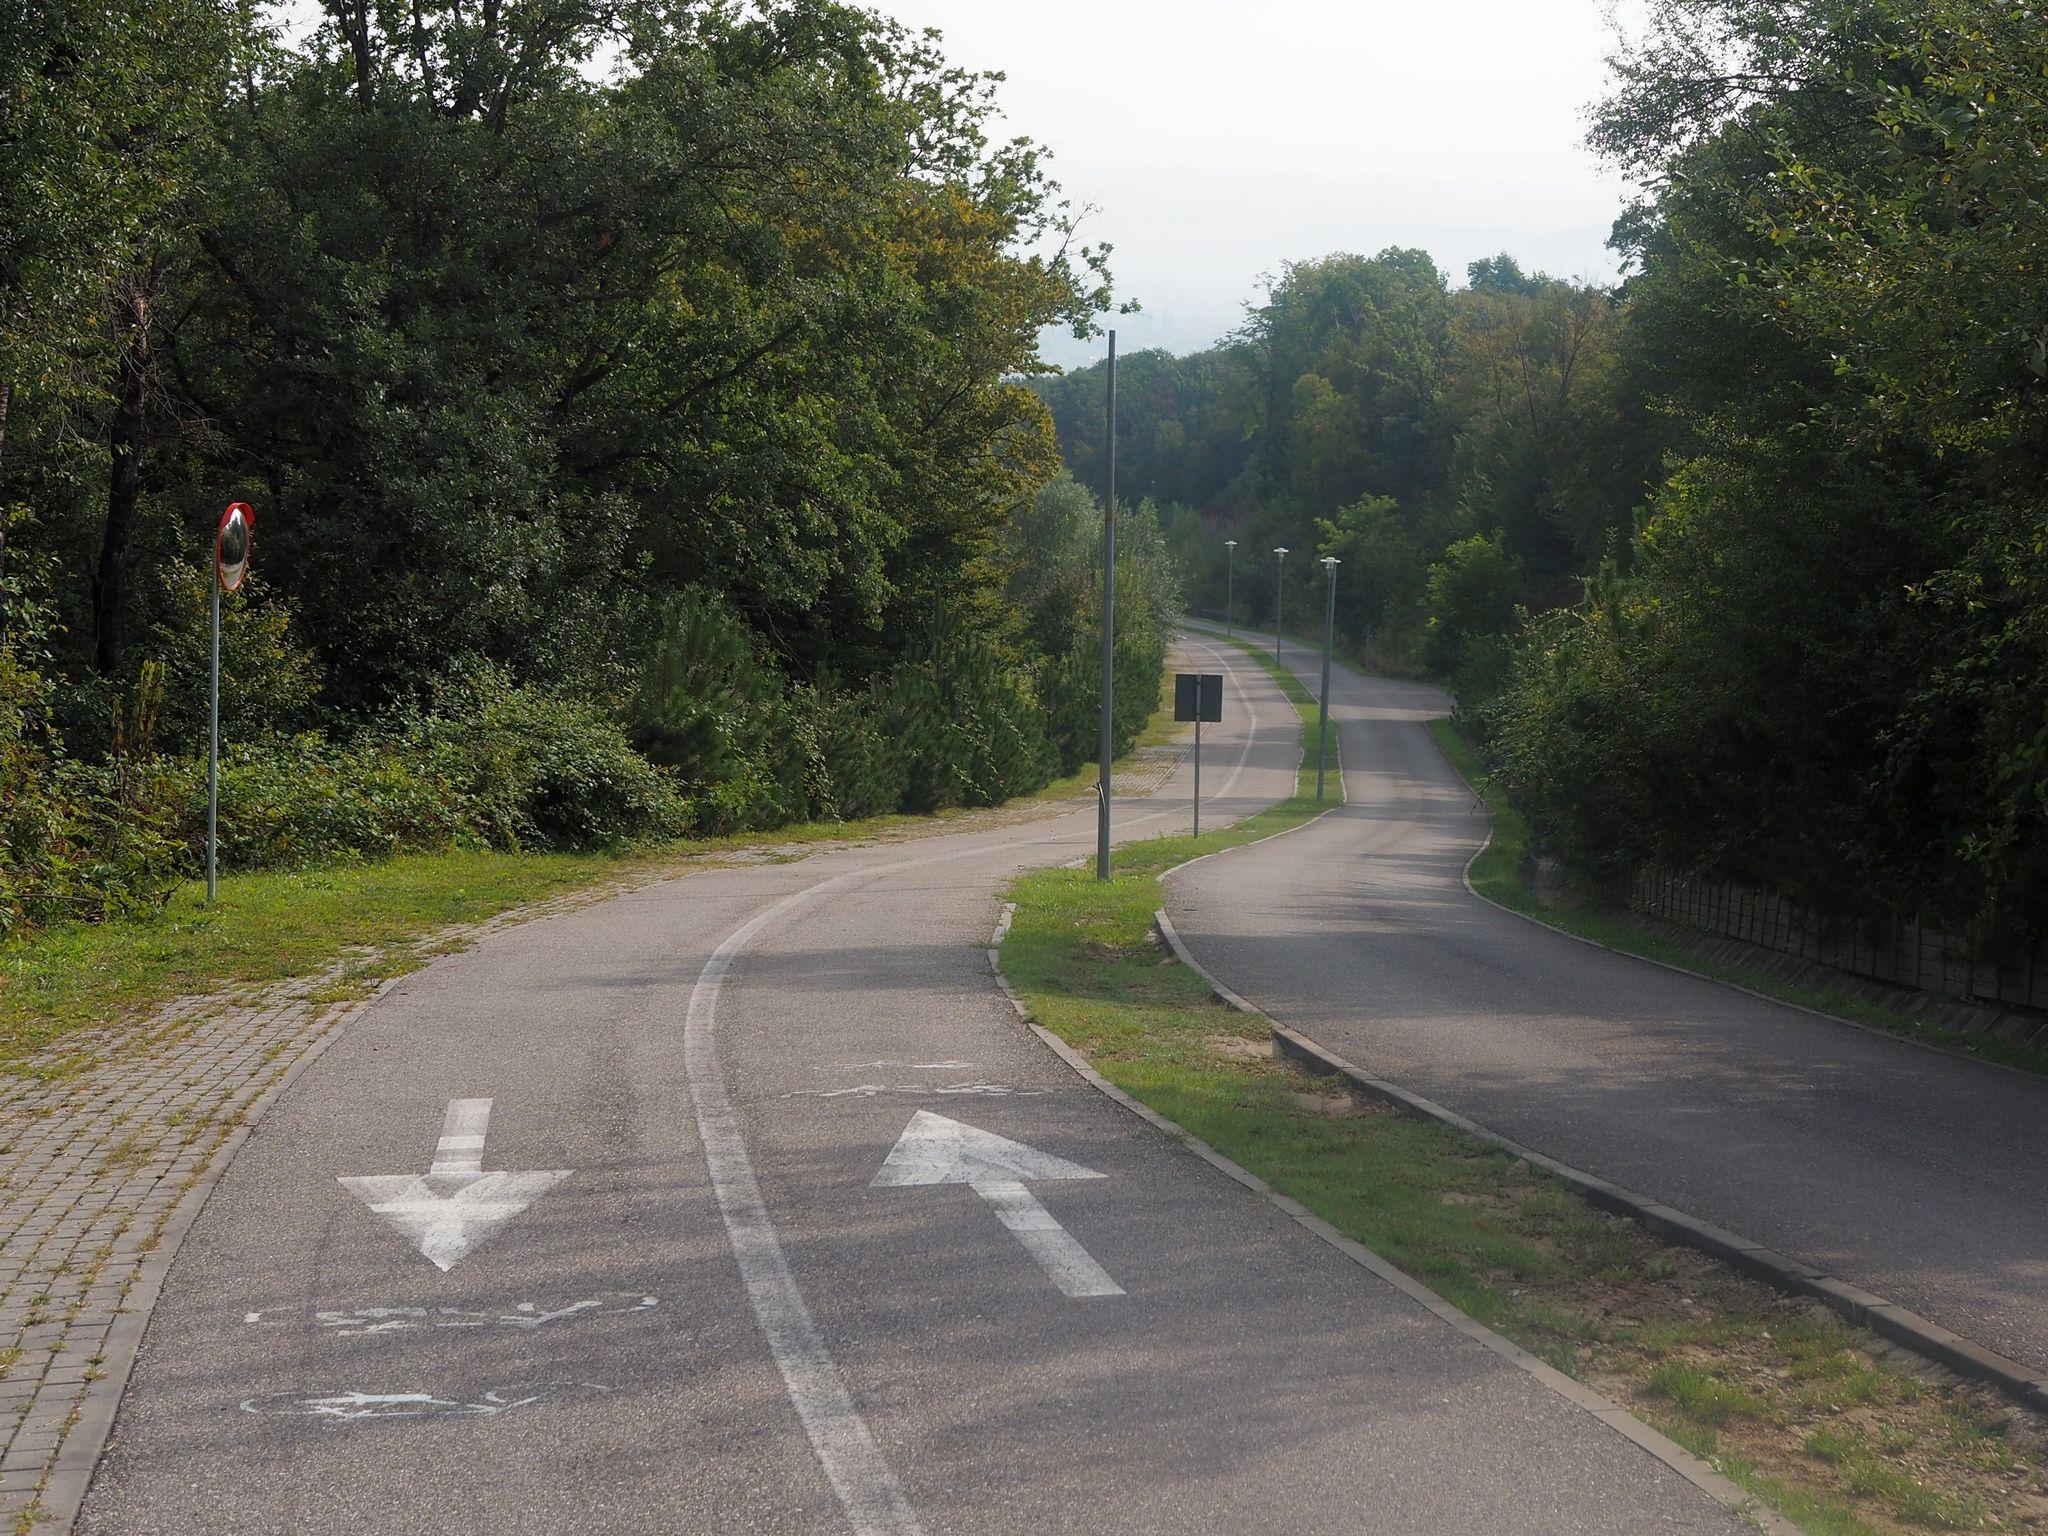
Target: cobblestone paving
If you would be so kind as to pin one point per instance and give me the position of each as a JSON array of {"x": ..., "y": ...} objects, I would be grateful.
[{"x": 91, "y": 1165}]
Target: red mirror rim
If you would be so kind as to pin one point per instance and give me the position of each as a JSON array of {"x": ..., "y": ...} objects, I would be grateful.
[{"x": 231, "y": 579}]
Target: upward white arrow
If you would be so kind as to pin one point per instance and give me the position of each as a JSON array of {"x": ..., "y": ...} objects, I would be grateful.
[
  {"x": 455, "y": 1205},
  {"x": 936, "y": 1150}
]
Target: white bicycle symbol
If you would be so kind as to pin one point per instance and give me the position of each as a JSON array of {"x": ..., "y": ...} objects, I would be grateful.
[{"x": 352, "y": 1407}]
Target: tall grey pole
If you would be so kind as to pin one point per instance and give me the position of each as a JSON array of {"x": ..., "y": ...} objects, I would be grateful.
[
  {"x": 1229, "y": 587},
  {"x": 213, "y": 744},
  {"x": 1329, "y": 637},
  {"x": 1104, "y": 746},
  {"x": 1198, "y": 769},
  {"x": 1279, "y": 596}
]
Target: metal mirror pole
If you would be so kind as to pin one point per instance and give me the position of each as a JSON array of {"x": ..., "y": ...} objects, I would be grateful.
[
  {"x": 213, "y": 741},
  {"x": 1108, "y": 630}
]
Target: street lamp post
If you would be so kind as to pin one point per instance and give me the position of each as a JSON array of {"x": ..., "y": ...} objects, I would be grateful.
[
  {"x": 1330, "y": 564},
  {"x": 1279, "y": 595},
  {"x": 1230, "y": 587},
  {"x": 1105, "y": 742}
]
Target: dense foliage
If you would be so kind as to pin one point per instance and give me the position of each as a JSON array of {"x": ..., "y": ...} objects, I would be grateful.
[
  {"x": 1777, "y": 502},
  {"x": 1827, "y": 667},
  {"x": 631, "y": 393},
  {"x": 1369, "y": 411}
]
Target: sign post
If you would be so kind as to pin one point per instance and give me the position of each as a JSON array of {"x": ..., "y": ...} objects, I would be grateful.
[
  {"x": 1198, "y": 696},
  {"x": 231, "y": 541}
]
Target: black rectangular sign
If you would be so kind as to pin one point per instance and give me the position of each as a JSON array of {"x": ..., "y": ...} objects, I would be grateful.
[{"x": 1198, "y": 696}]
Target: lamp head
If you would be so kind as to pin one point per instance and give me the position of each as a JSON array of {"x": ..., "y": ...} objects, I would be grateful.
[{"x": 1281, "y": 550}]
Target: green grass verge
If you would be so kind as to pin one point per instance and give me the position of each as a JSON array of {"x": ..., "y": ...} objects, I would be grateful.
[
  {"x": 264, "y": 928},
  {"x": 1502, "y": 874},
  {"x": 1760, "y": 1384}
]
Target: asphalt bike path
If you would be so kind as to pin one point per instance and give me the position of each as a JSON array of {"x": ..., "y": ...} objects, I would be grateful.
[
  {"x": 743, "y": 1203},
  {"x": 1907, "y": 1171}
]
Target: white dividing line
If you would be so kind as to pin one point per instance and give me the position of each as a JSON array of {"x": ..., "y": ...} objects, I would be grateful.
[
  {"x": 461, "y": 1147},
  {"x": 1066, "y": 1263},
  {"x": 868, "y": 1491}
]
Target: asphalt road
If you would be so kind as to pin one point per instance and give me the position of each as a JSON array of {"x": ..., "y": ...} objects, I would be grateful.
[
  {"x": 718, "y": 1321},
  {"x": 1912, "y": 1173}
]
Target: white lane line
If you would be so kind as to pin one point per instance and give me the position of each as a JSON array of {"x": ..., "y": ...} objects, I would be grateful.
[
  {"x": 1252, "y": 720},
  {"x": 461, "y": 1147},
  {"x": 874, "y": 1501}
]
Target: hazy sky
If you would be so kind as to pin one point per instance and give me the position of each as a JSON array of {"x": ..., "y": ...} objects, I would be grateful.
[{"x": 1220, "y": 138}]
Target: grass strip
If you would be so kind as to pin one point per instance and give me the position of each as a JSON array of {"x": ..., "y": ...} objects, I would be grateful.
[
  {"x": 265, "y": 927},
  {"x": 1829, "y": 1425},
  {"x": 1503, "y": 874}
]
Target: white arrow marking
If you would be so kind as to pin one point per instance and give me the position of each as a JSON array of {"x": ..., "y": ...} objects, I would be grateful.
[
  {"x": 936, "y": 1150},
  {"x": 455, "y": 1205}
]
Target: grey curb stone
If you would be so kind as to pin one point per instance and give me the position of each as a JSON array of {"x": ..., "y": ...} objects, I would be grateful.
[{"x": 1901, "y": 1325}]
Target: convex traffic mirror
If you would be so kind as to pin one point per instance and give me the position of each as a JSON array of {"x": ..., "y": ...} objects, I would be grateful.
[{"x": 231, "y": 544}]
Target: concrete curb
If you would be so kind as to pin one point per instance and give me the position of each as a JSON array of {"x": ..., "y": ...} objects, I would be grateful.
[
  {"x": 1885, "y": 1318},
  {"x": 1660, "y": 1447}
]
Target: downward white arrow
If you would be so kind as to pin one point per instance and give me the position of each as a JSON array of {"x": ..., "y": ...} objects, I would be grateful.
[
  {"x": 936, "y": 1150},
  {"x": 455, "y": 1205}
]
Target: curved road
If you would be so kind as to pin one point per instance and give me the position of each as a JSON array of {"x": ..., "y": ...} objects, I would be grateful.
[
  {"x": 739, "y": 1298},
  {"x": 1909, "y": 1172}
]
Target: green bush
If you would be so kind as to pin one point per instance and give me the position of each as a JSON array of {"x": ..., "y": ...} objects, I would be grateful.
[
  {"x": 534, "y": 769},
  {"x": 711, "y": 709},
  {"x": 302, "y": 800},
  {"x": 1469, "y": 597},
  {"x": 77, "y": 840},
  {"x": 486, "y": 764},
  {"x": 868, "y": 769},
  {"x": 970, "y": 723}
]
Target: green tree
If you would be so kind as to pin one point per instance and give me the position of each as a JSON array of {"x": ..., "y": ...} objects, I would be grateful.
[{"x": 1469, "y": 596}]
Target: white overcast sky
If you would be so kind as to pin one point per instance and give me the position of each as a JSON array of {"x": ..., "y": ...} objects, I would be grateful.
[{"x": 1220, "y": 138}]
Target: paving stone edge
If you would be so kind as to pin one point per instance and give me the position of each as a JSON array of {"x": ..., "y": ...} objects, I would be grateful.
[{"x": 78, "y": 1454}]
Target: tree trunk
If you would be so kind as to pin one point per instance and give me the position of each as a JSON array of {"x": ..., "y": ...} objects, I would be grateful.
[
  {"x": 353, "y": 17},
  {"x": 124, "y": 484},
  {"x": 6, "y": 408}
]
